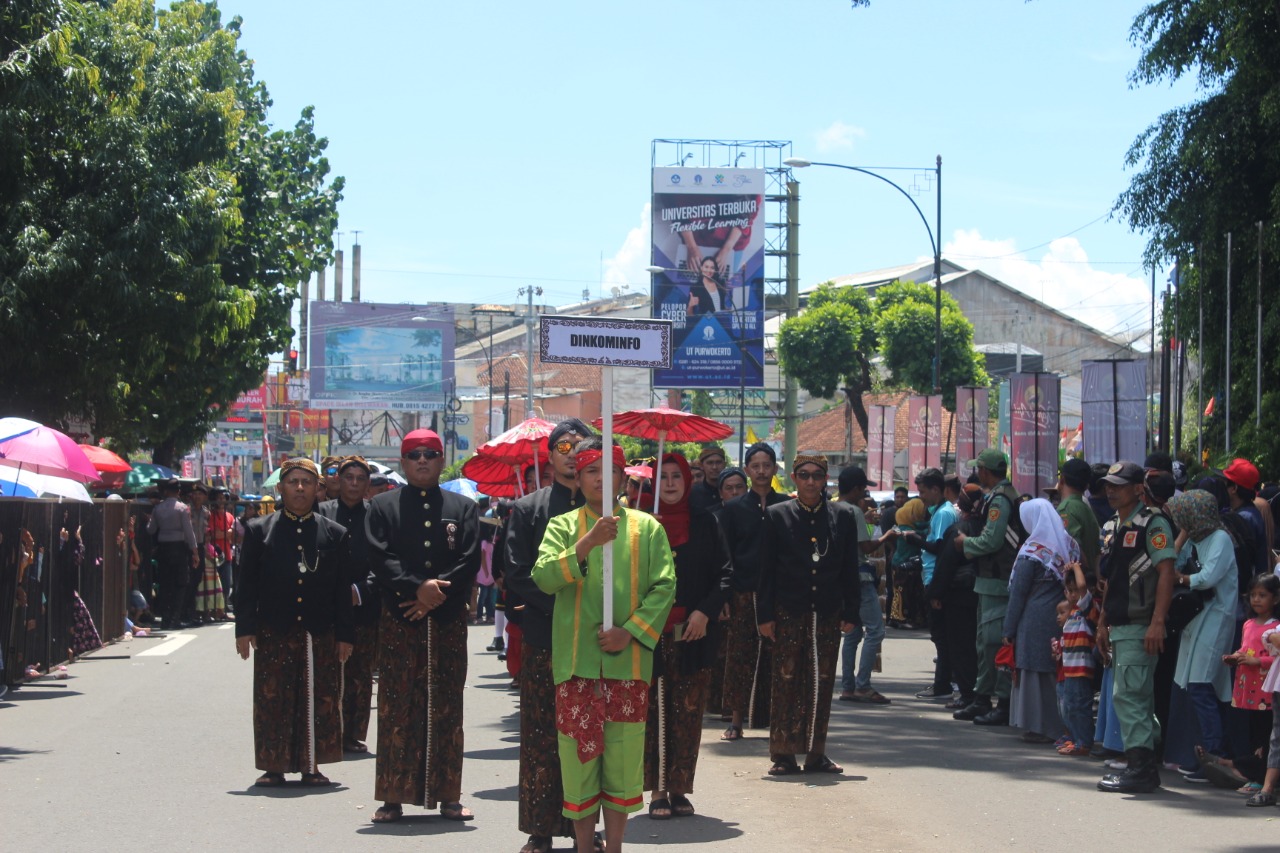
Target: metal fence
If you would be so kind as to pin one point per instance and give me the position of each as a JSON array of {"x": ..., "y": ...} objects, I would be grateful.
[{"x": 40, "y": 575}]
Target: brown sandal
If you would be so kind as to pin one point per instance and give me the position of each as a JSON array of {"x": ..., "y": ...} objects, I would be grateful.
[
  {"x": 269, "y": 780},
  {"x": 388, "y": 814}
]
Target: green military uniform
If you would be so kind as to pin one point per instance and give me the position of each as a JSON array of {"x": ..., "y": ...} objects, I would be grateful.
[
  {"x": 1082, "y": 524},
  {"x": 1136, "y": 548},
  {"x": 993, "y": 552}
]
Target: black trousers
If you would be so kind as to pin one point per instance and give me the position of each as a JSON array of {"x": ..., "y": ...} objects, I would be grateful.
[
  {"x": 173, "y": 562},
  {"x": 960, "y": 637},
  {"x": 942, "y": 675}
]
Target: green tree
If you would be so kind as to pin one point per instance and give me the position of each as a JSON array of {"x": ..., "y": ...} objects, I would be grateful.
[
  {"x": 1210, "y": 168},
  {"x": 155, "y": 228},
  {"x": 830, "y": 346}
]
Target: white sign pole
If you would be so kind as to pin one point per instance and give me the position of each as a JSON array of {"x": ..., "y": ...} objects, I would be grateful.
[{"x": 606, "y": 469}]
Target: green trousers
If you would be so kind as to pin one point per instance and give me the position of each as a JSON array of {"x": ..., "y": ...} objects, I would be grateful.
[
  {"x": 991, "y": 609},
  {"x": 1133, "y": 696}
]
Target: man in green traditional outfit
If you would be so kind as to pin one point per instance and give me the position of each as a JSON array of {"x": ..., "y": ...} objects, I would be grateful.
[
  {"x": 602, "y": 673},
  {"x": 993, "y": 552},
  {"x": 1080, "y": 519}
]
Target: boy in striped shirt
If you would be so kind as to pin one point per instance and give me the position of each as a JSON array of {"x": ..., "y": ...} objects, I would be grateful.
[{"x": 1076, "y": 683}]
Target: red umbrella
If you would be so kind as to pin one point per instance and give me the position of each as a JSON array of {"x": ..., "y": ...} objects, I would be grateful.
[
  {"x": 495, "y": 478},
  {"x": 523, "y": 444},
  {"x": 47, "y": 451},
  {"x": 662, "y": 424},
  {"x": 105, "y": 461}
]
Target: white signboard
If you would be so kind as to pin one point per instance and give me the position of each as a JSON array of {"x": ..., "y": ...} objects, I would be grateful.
[{"x": 606, "y": 341}]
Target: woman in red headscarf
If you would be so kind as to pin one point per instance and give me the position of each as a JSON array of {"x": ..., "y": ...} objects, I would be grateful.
[{"x": 687, "y": 650}]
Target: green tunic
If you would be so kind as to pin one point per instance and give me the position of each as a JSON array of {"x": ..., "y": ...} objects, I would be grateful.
[
  {"x": 1082, "y": 524},
  {"x": 644, "y": 586}
]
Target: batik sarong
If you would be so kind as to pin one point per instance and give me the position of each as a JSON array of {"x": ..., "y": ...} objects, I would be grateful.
[{"x": 297, "y": 684}]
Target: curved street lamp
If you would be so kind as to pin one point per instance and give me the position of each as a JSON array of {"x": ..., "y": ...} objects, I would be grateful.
[{"x": 935, "y": 236}]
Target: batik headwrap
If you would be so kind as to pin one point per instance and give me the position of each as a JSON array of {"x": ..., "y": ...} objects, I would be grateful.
[
  {"x": 1196, "y": 512},
  {"x": 299, "y": 462},
  {"x": 809, "y": 459}
]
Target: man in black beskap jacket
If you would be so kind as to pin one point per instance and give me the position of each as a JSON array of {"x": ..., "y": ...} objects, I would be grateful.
[{"x": 349, "y": 509}]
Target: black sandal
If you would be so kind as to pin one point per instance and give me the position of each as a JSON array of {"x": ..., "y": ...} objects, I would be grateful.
[
  {"x": 317, "y": 780},
  {"x": 660, "y": 805},
  {"x": 269, "y": 780},
  {"x": 680, "y": 805},
  {"x": 732, "y": 733},
  {"x": 784, "y": 767},
  {"x": 388, "y": 814},
  {"x": 455, "y": 811},
  {"x": 822, "y": 765},
  {"x": 537, "y": 844}
]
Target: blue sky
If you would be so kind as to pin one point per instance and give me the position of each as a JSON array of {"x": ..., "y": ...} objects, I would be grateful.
[{"x": 489, "y": 145}]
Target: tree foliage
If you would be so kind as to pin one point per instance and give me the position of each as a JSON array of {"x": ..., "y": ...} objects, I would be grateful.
[
  {"x": 1212, "y": 168},
  {"x": 830, "y": 347},
  {"x": 154, "y": 228}
]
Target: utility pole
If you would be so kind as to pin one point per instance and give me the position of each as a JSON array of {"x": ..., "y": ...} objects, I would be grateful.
[
  {"x": 791, "y": 405},
  {"x": 529, "y": 323}
]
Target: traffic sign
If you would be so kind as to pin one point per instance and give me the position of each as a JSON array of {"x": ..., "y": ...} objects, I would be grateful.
[{"x": 457, "y": 419}]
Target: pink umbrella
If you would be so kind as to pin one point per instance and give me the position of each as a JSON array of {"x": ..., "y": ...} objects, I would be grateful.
[{"x": 47, "y": 451}]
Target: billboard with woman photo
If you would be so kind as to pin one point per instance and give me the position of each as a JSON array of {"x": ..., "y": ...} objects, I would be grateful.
[{"x": 708, "y": 240}]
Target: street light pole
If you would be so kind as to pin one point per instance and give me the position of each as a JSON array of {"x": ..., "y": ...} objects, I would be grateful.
[
  {"x": 934, "y": 239},
  {"x": 528, "y": 343}
]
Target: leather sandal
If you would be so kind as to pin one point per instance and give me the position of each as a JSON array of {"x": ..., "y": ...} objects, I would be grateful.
[
  {"x": 269, "y": 780},
  {"x": 660, "y": 809},
  {"x": 822, "y": 765},
  {"x": 680, "y": 805},
  {"x": 784, "y": 767}
]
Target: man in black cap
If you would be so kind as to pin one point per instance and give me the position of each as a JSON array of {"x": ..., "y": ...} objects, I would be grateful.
[
  {"x": 176, "y": 555},
  {"x": 993, "y": 552},
  {"x": 1081, "y": 522},
  {"x": 349, "y": 509},
  {"x": 541, "y": 795},
  {"x": 853, "y": 485},
  {"x": 748, "y": 662},
  {"x": 1138, "y": 564},
  {"x": 705, "y": 496}
]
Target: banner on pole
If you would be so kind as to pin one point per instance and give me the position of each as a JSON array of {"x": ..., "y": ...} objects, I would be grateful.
[
  {"x": 881, "y": 429},
  {"x": 1033, "y": 419},
  {"x": 708, "y": 240},
  {"x": 924, "y": 434},
  {"x": 1113, "y": 397},
  {"x": 605, "y": 341},
  {"x": 972, "y": 433}
]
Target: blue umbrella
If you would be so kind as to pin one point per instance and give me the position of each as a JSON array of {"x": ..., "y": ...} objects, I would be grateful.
[{"x": 463, "y": 486}]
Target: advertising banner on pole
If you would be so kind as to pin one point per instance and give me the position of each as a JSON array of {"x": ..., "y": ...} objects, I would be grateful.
[
  {"x": 924, "y": 434},
  {"x": 1113, "y": 397},
  {"x": 881, "y": 429},
  {"x": 708, "y": 240},
  {"x": 972, "y": 433},
  {"x": 367, "y": 355},
  {"x": 1033, "y": 418}
]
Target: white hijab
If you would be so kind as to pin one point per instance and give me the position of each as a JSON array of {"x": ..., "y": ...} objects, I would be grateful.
[{"x": 1048, "y": 542}]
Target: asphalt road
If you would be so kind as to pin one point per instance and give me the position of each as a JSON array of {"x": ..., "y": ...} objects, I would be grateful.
[{"x": 148, "y": 745}]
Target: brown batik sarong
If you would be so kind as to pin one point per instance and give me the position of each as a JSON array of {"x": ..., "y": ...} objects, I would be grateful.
[
  {"x": 357, "y": 688},
  {"x": 541, "y": 793},
  {"x": 804, "y": 676},
  {"x": 422, "y": 672},
  {"x": 715, "y": 692},
  {"x": 748, "y": 667},
  {"x": 674, "y": 730},
  {"x": 297, "y": 686}
]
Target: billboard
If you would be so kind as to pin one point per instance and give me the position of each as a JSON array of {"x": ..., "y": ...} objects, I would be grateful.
[
  {"x": 366, "y": 355},
  {"x": 708, "y": 239},
  {"x": 924, "y": 434},
  {"x": 1033, "y": 423},
  {"x": 972, "y": 436},
  {"x": 1113, "y": 395},
  {"x": 881, "y": 430}
]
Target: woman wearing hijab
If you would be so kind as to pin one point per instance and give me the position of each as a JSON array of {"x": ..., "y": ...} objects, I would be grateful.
[
  {"x": 687, "y": 649},
  {"x": 1206, "y": 561},
  {"x": 1031, "y": 620},
  {"x": 908, "y": 585}
]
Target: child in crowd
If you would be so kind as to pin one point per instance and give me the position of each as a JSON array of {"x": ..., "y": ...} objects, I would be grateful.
[
  {"x": 1253, "y": 659},
  {"x": 1076, "y": 687},
  {"x": 1271, "y": 684}
]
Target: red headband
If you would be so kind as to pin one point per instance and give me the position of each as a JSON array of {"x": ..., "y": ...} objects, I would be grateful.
[{"x": 586, "y": 457}]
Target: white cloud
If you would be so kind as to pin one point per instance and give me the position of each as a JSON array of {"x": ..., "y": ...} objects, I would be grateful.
[
  {"x": 627, "y": 266},
  {"x": 1062, "y": 277},
  {"x": 838, "y": 136}
]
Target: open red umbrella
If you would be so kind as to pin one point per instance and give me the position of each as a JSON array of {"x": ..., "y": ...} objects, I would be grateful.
[
  {"x": 106, "y": 461},
  {"x": 662, "y": 424},
  {"x": 523, "y": 444},
  {"x": 494, "y": 477}
]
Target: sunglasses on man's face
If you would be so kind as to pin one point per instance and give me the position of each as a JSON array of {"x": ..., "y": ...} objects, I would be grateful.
[
  {"x": 810, "y": 475},
  {"x": 415, "y": 455},
  {"x": 564, "y": 446},
  {"x": 330, "y": 471}
]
